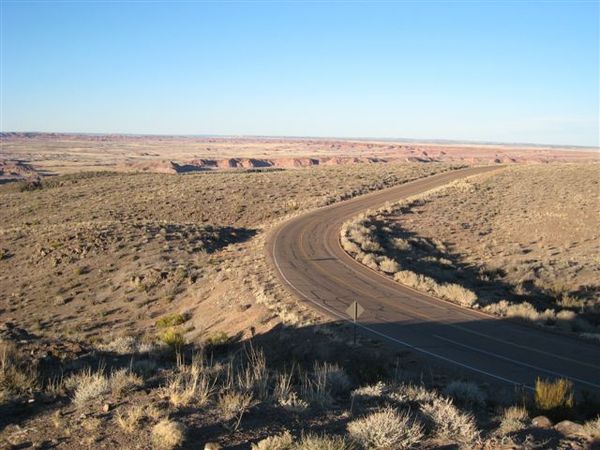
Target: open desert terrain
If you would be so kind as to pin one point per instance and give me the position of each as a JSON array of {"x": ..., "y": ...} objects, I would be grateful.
[
  {"x": 522, "y": 242},
  {"x": 139, "y": 309},
  {"x": 24, "y": 155}
]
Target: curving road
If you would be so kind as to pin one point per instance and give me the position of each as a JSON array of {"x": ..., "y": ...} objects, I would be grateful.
[{"x": 311, "y": 263}]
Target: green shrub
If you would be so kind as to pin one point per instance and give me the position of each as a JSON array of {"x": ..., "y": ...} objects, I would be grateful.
[
  {"x": 172, "y": 338},
  {"x": 219, "y": 338},
  {"x": 171, "y": 320}
]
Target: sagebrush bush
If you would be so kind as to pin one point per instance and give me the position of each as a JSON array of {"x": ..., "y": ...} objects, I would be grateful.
[
  {"x": 88, "y": 386},
  {"x": 283, "y": 441},
  {"x": 168, "y": 434},
  {"x": 386, "y": 429},
  {"x": 592, "y": 428},
  {"x": 513, "y": 419},
  {"x": 315, "y": 442},
  {"x": 388, "y": 265},
  {"x": 465, "y": 392},
  {"x": 448, "y": 422}
]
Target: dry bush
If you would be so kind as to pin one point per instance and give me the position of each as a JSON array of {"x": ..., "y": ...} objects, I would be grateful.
[
  {"x": 333, "y": 376},
  {"x": 386, "y": 429},
  {"x": 448, "y": 422},
  {"x": 314, "y": 442},
  {"x": 513, "y": 419},
  {"x": 168, "y": 434},
  {"x": 283, "y": 441},
  {"x": 554, "y": 398},
  {"x": 88, "y": 385},
  {"x": 412, "y": 393},
  {"x": 234, "y": 404},
  {"x": 191, "y": 384},
  {"x": 456, "y": 293},
  {"x": 373, "y": 391},
  {"x": 388, "y": 265},
  {"x": 253, "y": 376},
  {"x": 130, "y": 420},
  {"x": 17, "y": 375},
  {"x": 123, "y": 381},
  {"x": 285, "y": 395},
  {"x": 325, "y": 380},
  {"x": 465, "y": 392},
  {"x": 592, "y": 428}
]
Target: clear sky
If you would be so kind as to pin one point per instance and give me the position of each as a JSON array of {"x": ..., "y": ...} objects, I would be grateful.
[{"x": 481, "y": 70}]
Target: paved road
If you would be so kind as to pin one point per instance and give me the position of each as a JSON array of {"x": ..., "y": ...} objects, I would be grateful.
[{"x": 311, "y": 263}]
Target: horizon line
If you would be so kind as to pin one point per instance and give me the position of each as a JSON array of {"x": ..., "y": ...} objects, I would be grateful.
[{"x": 299, "y": 137}]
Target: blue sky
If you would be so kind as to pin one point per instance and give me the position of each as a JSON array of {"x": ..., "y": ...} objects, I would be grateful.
[{"x": 494, "y": 71}]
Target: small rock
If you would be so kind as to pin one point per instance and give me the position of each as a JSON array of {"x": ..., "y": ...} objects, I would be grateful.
[
  {"x": 212, "y": 446},
  {"x": 541, "y": 422},
  {"x": 568, "y": 428},
  {"x": 106, "y": 407}
]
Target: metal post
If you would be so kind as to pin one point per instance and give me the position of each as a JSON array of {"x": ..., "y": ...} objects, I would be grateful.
[{"x": 355, "y": 316}]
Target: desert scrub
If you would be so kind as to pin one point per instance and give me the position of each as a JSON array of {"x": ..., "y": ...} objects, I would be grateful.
[
  {"x": 465, "y": 392},
  {"x": 168, "y": 434},
  {"x": 386, "y": 429},
  {"x": 173, "y": 338},
  {"x": 191, "y": 384},
  {"x": 554, "y": 398},
  {"x": 88, "y": 385},
  {"x": 130, "y": 420},
  {"x": 170, "y": 320},
  {"x": 448, "y": 422},
  {"x": 18, "y": 376},
  {"x": 218, "y": 338},
  {"x": 514, "y": 418}
]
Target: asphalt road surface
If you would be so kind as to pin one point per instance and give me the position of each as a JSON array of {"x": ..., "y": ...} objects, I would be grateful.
[{"x": 311, "y": 263}]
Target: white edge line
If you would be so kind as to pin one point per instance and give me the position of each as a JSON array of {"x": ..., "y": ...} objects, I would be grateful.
[
  {"x": 506, "y": 358},
  {"x": 398, "y": 341}
]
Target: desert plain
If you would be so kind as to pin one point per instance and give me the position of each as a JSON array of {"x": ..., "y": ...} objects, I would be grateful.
[{"x": 139, "y": 310}]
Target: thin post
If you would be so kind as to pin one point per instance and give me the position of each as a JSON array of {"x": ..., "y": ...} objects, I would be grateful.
[{"x": 355, "y": 317}]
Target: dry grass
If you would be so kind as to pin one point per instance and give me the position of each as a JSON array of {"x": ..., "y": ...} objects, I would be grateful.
[
  {"x": 233, "y": 405},
  {"x": 283, "y": 441},
  {"x": 18, "y": 376},
  {"x": 554, "y": 398},
  {"x": 386, "y": 429},
  {"x": 191, "y": 384},
  {"x": 316, "y": 442},
  {"x": 592, "y": 428},
  {"x": 168, "y": 434},
  {"x": 513, "y": 419},
  {"x": 131, "y": 419},
  {"x": 123, "y": 381}
]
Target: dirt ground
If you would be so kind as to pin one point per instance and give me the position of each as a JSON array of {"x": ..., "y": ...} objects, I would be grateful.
[
  {"x": 107, "y": 277},
  {"x": 91, "y": 254}
]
